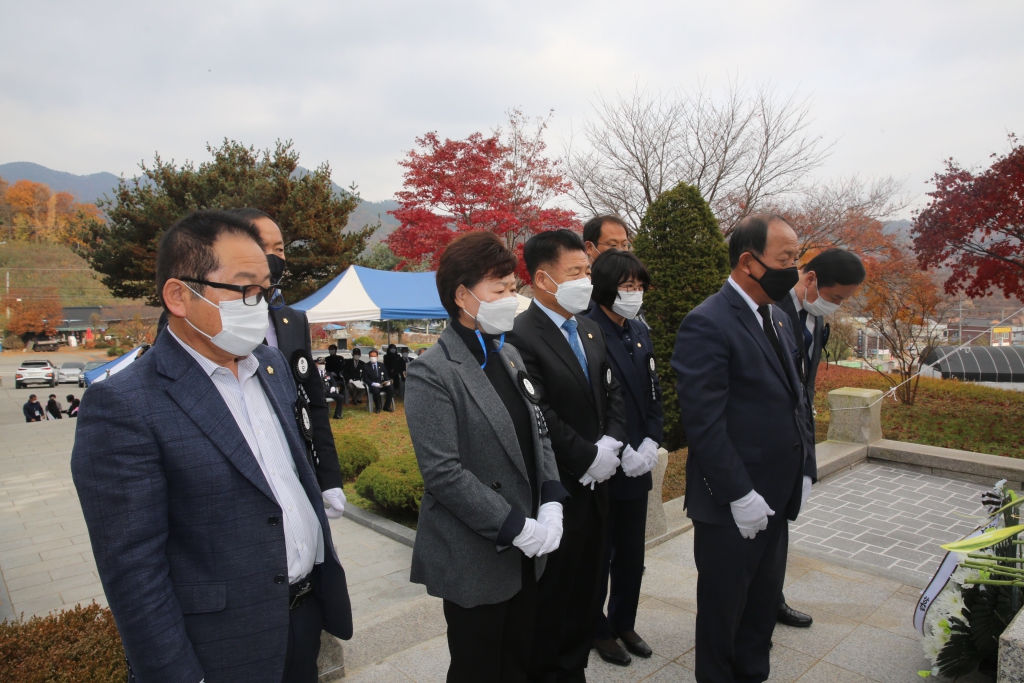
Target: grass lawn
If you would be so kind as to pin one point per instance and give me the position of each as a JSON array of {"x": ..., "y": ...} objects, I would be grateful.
[{"x": 946, "y": 413}]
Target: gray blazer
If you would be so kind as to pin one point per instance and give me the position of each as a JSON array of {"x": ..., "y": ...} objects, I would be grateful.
[{"x": 474, "y": 474}]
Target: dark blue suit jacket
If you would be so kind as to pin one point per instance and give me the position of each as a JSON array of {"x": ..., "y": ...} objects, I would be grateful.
[
  {"x": 185, "y": 529},
  {"x": 641, "y": 391},
  {"x": 744, "y": 413}
]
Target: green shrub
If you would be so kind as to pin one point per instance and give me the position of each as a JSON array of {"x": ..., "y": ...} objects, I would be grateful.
[
  {"x": 75, "y": 646},
  {"x": 100, "y": 344},
  {"x": 355, "y": 454},
  {"x": 13, "y": 343},
  {"x": 364, "y": 341},
  {"x": 680, "y": 243},
  {"x": 393, "y": 483},
  {"x": 115, "y": 351}
]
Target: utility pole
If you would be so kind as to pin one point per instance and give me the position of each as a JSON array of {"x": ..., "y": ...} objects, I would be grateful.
[{"x": 960, "y": 331}]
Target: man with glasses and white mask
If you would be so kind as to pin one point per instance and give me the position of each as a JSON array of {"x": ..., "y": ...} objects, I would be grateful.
[
  {"x": 828, "y": 279},
  {"x": 203, "y": 508},
  {"x": 288, "y": 331},
  {"x": 566, "y": 358},
  {"x": 620, "y": 281}
]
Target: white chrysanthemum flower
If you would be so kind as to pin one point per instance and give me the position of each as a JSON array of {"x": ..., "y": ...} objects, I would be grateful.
[
  {"x": 999, "y": 485},
  {"x": 950, "y": 603}
]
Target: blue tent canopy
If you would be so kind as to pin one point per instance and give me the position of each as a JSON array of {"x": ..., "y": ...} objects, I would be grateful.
[{"x": 367, "y": 294}]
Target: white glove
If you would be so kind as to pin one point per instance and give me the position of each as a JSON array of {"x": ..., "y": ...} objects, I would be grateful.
[
  {"x": 649, "y": 449},
  {"x": 532, "y": 538},
  {"x": 633, "y": 463},
  {"x": 376, "y": 384},
  {"x": 550, "y": 515},
  {"x": 751, "y": 514},
  {"x": 336, "y": 502},
  {"x": 605, "y": 464},
  {"x": 806, "y": 493}
]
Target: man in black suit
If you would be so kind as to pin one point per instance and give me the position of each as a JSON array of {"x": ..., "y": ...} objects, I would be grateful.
[
  {"x": 750, "y": 461},
  {"x": 378, "y": 381},
  {"x": 828, "y": 279},
  {"x": 289, "y": 332},
  {"x": 334, "y": 365},
  {"x": 352, "y": 373},
  {"x": 566, "y": 358}
]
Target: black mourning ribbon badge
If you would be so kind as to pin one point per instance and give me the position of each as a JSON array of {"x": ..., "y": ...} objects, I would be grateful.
[
  {"x": 302, "y": 417},
  {"x": 530, "y": 390},
  {"x": 606, "y": 376},
  {"x": 302, "y": 365}
]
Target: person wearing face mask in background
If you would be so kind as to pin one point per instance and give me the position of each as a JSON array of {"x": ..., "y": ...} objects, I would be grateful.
[
  {"x": 378, "y": 381},
  {"x": 620, "y": 281},
  {"x": 395, "y": 365},
  {"x": 492, "y": 511},
  {"x": 203, "y": 509},
  {"x": 751, "y": 450},
  {"x": 828, "y": 279},
  {"x": 600, "y": 234},
  {"x": 568, "y": 363},
  {"x": 288, "y": 331}
]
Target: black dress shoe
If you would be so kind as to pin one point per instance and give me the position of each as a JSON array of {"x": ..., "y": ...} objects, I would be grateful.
[
  {"x": 635, "y": 644},
  {"x": 611, "y": 652},
  {"x": 791, "y": 617}
]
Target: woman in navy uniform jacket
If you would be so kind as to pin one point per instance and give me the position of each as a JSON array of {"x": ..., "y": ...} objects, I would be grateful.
[{"x": 620, "y": 281}]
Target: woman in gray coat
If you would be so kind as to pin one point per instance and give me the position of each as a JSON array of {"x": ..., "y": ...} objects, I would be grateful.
[{"x": 492, "y": 508}]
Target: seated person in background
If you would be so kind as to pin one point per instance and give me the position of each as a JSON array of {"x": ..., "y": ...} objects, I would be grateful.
[
  {"x": 333, "y": 390},
  {"x": 72, "y": 405},
  {"x": 334, "y": 363},
  {"x": 54, "y": 410},
  {"x": 352, "y": 374},
  {"x": 377, "y": 381},
  {"x": 395, "y": 365}
]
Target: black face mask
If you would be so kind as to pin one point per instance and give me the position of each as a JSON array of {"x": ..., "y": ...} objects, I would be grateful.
[
  {"x": 276, "y": 264},
  {"x": 776, "y": 282}
]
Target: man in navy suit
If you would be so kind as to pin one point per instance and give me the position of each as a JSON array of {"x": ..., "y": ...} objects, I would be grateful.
[
  {"x": 379, "y": 384},
  {"x": 203, "y": 508},
  {"x": 750, "y": 459},
  {"x": 620, "y": 281}
]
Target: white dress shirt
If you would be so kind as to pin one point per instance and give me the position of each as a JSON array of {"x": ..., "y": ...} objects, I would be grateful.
[
  {"x": 256, "y": 419},
  {"x": 751, "y": 303},
  {"x": 811, "y": 320},
  {"x": 559, "y": 320}
]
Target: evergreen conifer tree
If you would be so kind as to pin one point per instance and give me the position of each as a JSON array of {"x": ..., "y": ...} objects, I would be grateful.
[{"x": 680, "y": 243}]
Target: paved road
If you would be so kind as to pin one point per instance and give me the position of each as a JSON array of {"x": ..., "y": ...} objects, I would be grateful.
[{"x": 11, "y": 399}]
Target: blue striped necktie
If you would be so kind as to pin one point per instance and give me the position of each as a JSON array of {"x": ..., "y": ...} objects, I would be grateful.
[{"x": 574, "y": 342}]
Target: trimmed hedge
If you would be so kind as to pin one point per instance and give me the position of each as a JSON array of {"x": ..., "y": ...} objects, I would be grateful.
[
  {"x": 393, "y": 483},
  {"x": 355, "y": 454},
  {"x": 75, "y": 646}
]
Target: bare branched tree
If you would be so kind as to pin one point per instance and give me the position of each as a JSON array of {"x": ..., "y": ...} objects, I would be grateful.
[{"x": 742, "y": 150}]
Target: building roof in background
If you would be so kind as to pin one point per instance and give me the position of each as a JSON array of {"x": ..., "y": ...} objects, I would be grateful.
[{"x": 79, "y": 318}]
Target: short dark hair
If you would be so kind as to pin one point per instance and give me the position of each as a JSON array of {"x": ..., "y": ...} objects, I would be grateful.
[
  {"x": 547, "y": 247},
  {"x": 751, "y": 234},
  {"x": 837, "y": 267},
  {"x": 250, "y": 214},
  {"x": 186, "y": 249},
  {"x": 467, "y": 260},
  {"x": 610, "y": 270},
  {"x": 356, "y": 352},
  {"x": 372, "y": 351},
  {"x": 592, "y": 228},
  {"x": 69, "y": 397},
  {"x": 31, "y": 396},
  {"x": 332, "y": 347}
]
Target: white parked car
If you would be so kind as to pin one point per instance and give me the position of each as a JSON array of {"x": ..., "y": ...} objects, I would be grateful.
[
  {"x": 35, "y": 372},
  {"x": 69, "y": 372}
]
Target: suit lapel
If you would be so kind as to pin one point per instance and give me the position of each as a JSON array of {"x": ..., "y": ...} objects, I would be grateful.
[
  {"x": 627, "y": 364},
  {"x": 554, "y": 338},
  {"x": 749, "y": 321},
  {"x": 484, "y": 395}
]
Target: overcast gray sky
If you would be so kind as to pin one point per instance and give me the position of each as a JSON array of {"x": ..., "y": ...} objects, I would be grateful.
[{"x": 99, "y": 86}]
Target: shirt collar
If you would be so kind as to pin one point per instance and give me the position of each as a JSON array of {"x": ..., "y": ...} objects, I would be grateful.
[
  {"x": 556, "y": 318},
  {"x": 796, "y": 300},
  {"x": 746, "y": 297},
  {"x": 246, "y": 366}
]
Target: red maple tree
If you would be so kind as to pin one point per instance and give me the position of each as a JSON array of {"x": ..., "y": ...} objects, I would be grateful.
[
  {"x": 974, "y": 225},
  {"x": 499, "y": 183}
]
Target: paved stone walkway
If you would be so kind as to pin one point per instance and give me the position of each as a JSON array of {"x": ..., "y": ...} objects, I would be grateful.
[{"x": 887, "y": 517}]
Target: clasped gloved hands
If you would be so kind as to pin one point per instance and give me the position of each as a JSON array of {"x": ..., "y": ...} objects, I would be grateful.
[
  {"x": 542, "y": 535},
  {"x": 336, "y": 502},
  {"x": 751, "y": 514},
  {"x": 640, "y": 461},
  {"x": 605, "y": 464}
]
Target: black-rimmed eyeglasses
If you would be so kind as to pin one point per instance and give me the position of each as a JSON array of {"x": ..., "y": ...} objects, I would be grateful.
[{"x": 251, "y": 294}]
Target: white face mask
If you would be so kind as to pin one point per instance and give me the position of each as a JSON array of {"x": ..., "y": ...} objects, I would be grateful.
[
  {"x": 819, "y": 306},
  {"x": 243, "y": 328},
  {"x": 495, "y": 317},
  {"x": 628, "y": 304},
  {"x": 573, "y": 295}
]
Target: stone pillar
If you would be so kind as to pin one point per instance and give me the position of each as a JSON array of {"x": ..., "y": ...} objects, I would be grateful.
[
  {"x": 1011, "y": 652},
  {"x": 656, "y": 521},
  {"x": 331, "y": 661},
  {"x": 855, "y": 415}
]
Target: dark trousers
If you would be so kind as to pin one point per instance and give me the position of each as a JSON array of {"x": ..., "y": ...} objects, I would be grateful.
[
  {"x": 493, "y": 642},
  {"x": 624, "y": 564},
  {"x": 305, "y": 623},
  {"x": 388, "y": 393},
  {"x": 568, "y": 603},
  {"x": 739, "y": 583}
]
